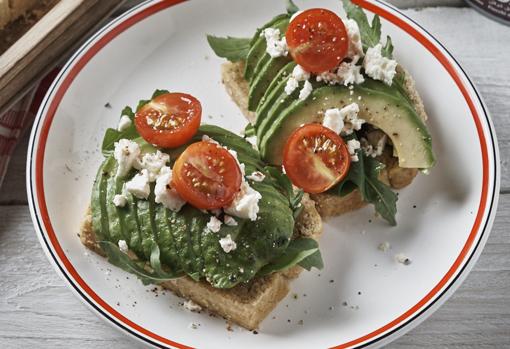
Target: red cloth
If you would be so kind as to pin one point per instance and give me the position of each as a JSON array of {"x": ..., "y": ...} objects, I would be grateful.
[{"x": 14, "y": 122}]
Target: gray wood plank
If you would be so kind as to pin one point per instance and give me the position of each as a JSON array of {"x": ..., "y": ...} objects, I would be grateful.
[{"x": 36, "y": 308}]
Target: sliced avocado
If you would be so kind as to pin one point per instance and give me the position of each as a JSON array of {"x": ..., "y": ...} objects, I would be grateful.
[
  {"x": 165, "y": 239},
  {"x": 258, "y": 49},
  {"x": 380, "y": 105},
  {"x": 114, "y": 219},
  {"x": 263, "y": 79},
  {"x": 144, "y": 221},
  {"x": 270, "y": 93},
  {"x": 130, "y": 225},
  {"x": 98, "y": 200}
]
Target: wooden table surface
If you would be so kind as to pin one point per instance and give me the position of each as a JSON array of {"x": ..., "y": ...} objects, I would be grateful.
[{"x": 38, "y": 310}]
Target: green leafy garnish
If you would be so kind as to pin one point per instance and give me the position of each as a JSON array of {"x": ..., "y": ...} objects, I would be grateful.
[
  {"x": 364, "y": 174},
  {"x": 291, "y": 7},
  {"x": 121, "y": 260},
  {"x": 233, "y": 49},
  {"x": 370, "y": 34},
  {"x": 303, "y": 251},
  {"x": 294, "y": 195}
]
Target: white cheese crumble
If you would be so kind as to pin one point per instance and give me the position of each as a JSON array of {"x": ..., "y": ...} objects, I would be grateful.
[
  {"x": 298, "y": 74},
  {"x": 349, "y": 114},
  {"x": 253, "y": 141},
  {"x": 256, "y": 176},
  {"x": 126, "y": 153},
  {"x": 206, "y": 138},
  {"x": 123, "y": 247},
  {"x": 245, "y": 203},
  {"x": 379, "y": 67},
  {"x": 355, "y": 51},
  {"x": 139, "y": 185},
  {"x": 153, "y": 163},
  {"x": 275, "y": 46},
  {"x": 214, "y": 224},
  {"x": 229, "y": 220},
  {"x": 352, "y": 146},
  {"x": 305, "y": 91},
  {"x": 346, "y": 74},
  {"x": 163, "y": 192},
  {"x": 403, "y": 259},
  {"x": 120, "y": 200},
  {"x": 191, "y": 306},
  {"x": 372, "y": 151},
  {"x": 333, "y": 120},
  {"x": 241, "y": 166},
  {"x": 227, "y": 244},
  {"x": 124, "y": 123}
]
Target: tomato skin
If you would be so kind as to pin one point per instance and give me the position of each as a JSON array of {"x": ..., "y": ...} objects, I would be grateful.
[
  {"x": 317, "y": 40},
  {"x": 315, "y": 158},
  {"x": 169, "y": 120},
  {"x": 207, "y": 176}
]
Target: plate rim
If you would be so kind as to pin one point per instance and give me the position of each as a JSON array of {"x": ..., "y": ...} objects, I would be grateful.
[{"x": 394, "y": 329}]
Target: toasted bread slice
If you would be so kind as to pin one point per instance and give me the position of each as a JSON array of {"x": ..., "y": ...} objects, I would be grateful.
[
  {"x": 247, "y": 304},
  {"x": 232, "y": 75}
]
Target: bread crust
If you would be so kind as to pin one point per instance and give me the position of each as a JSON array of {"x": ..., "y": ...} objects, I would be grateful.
[
  {"x": 247, "y": 304},
  {"x": 329, "y": 205}
]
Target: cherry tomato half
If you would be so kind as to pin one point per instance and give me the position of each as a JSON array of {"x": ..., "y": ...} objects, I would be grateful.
[
  {"x": 317, "y": 40},
  {"x": 169, "y": 120},
  {"x": 315, "y": 158},
  {"x": 207, "y": 176}
]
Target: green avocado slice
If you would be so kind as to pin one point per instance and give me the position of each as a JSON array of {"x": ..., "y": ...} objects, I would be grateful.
[
  {"x": 380, "y": 105},
  {"x": 263, "y": 79}
]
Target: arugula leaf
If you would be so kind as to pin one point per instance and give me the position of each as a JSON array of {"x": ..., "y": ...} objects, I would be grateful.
[
  {"x": 233, "y": 49},
  {"x": 291, "y": 7},
  {"x": 293, "y": 195},
  {"x": 112, "y": 135},
  {"x": 303, "y": 251},
  {"x": 364, "y": 174},
  {"x": 370, "y": 34},
  {"x": 121, "y": 260}
]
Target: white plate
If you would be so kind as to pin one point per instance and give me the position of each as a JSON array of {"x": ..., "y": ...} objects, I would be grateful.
[{"x": 444, "y": 218}]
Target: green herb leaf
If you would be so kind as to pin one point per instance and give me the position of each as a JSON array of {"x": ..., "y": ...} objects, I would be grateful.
[
  {"x": 291, "y": 7},
  {"x": 158, "y": 93},
  {"x": 121, "y": 260},
  {"x": 364, "y": 174},
  {"x": 285, "y": 185},
  {"x": 249, "y": 130},
  {"x": 303, "y": 251},
  {"x": 233, "y": 49},
  {"x": 370, "y": 34}
]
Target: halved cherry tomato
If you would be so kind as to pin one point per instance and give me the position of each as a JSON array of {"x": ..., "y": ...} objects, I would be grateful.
[
  {"x": 207, "y": 176},
  {"x": 317, "y": 40},
  {"x": 169, "y": 120},
  {"x": 315, "y": 158}
]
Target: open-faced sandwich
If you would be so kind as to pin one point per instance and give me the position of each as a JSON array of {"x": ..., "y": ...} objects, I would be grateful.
[
  {"x": 194, "y": 208},
  {"x": 326, "y": 100}
]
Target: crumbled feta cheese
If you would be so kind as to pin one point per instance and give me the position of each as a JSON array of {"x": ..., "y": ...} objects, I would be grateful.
[
  {"x": 191, "y": 306},
  {"x": 349, "y": 73},
  {"x": 229, "y": 220},
  {"x": 123, "y": 246},
  {"x": 291, "y": 85},
  {"x": 139, "y": 185},
  {"x": 245, "y": 203},
  {"x": 379, "y": 67},
  {"x": 241, "y": 166},
  {"x": 352, "y": 146},
  {"x": 402, "y": 258},
  {"x": 300, "y": 74},
  {"x": 370, "y": 150},
  {"x": 120, "y": 200},
  {"x": 355, "y": 47},
  {"x": 253, "y": 141},
  {"x": 275, "y": 46},
  {"x": 164, "y": 193},
  {"x": 384, "y": 246},
  {"x": 206, "y": 138},
  {"x": 214, "y": 224},
  {"x": 124, "y": 123},
  {"x": 227, "y": 244},
  {"x": 126, "y": 153},
  {"x": 153, "y": 163},
  {"x": 349, "y": 114},
  {"x": 256, "y": 176},
  {"x": 333, "y": 120},
  {"x": 305, "y": 91}
]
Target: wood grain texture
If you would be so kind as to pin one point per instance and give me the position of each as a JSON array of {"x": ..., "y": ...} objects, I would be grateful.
[{"x": 38, "y": 310}]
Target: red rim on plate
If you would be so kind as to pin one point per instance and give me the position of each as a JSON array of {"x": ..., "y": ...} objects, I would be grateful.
[{"x": 55, "y": 95}]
